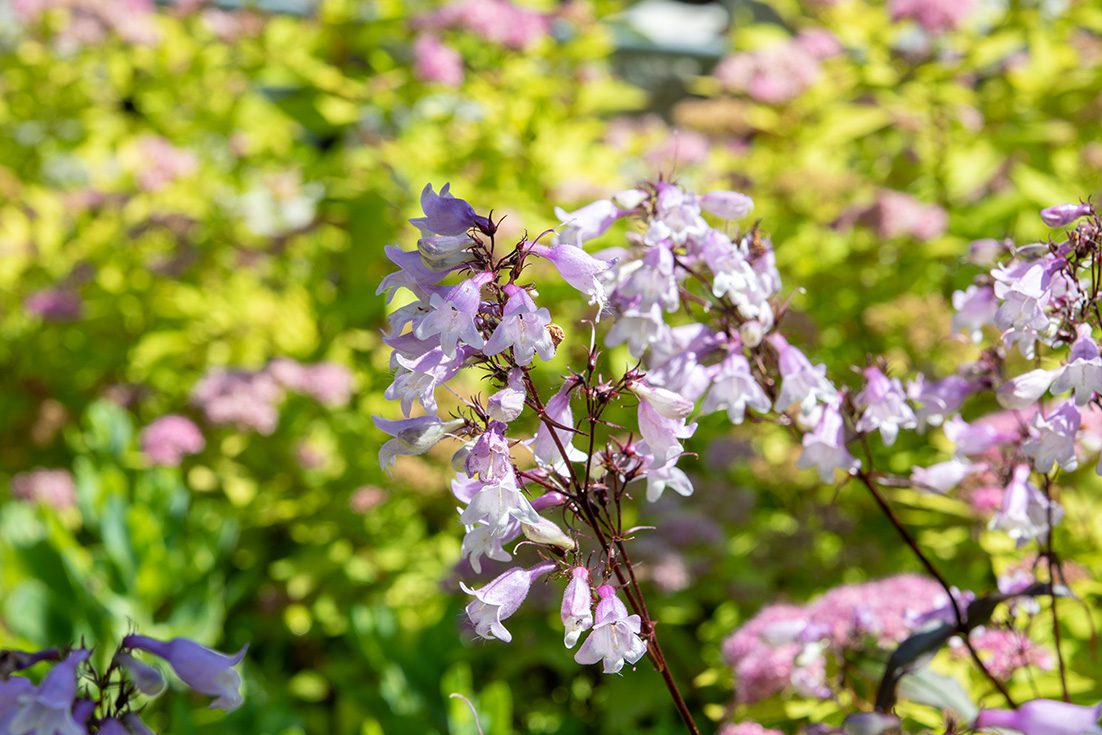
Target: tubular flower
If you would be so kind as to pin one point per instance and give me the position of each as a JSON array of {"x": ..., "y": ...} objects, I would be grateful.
[
  {"x": 202, "y": 669},
  {"x": 615, "y": 635},
  {"x": 500, "y": 599}
]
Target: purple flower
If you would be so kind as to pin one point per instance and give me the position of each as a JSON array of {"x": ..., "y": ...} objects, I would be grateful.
[
  {"x": 662, "y": 476},
  {"x": 489, "y": 457},
  {"x": 727, "y": 204},
  {"x": 49, "y": 487},
  {"x": 523, "y": 327},
  {"x": 544, "y": 447},
  {"x": 55, "y": 305},
  {"x": 1026, "y": 388},
  {"x": 825, "y": 446},
  {"x": 12, "y": 692},
  {"x": 49, "y": 710},
  {"x": 1053, "y": 441},
  {"x": 975, "y": 307},
  {"x": 943, "y": 476},
  {"x": 501, "y": 598},
  {"x": 135, "y": 726},
  {"x": 639, "y": 328},
  {"x": 498, "y": 504},
  {"x": 148, "y": 680},
  {"x": 453, "y": 317},
  {"x": 416, "y": 379},
  {"x": 506, "y": 405},
  {"x": 976, "y": 438},
  {"x": 435, "y": 62},
  {"x": 202, "y": 669},
  {"x": 412, "y": 274},
  {"x": 446, "y": 215},
  {"x": 662, "y": 416},
  {"x": 1044, "y": 717},
  {"x": 885, "y": 406},
  {"x": 578, "y": 268},
  {"x": 244, "y": 399},
  {"x": 1083, "y": 371},
  {"x": 615, "y": 635},
  {"x": 481, "y": 540},
  {"x": 587, "y": 223},
  {"x": 169, "y": 439},
  {"x": 111, "y": 726},
  {"x": 1025, "y": 510},
  {"x": 1063, "y": 215},
  {"x": 801, "y": 383},
  {"x": 938, "y": 399},
  {"x": 412, "y": 436},
  {"x": 445, "y": 252},
  {"x": 577, "y": 606}
]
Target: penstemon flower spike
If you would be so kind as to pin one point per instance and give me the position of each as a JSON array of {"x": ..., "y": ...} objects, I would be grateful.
[{"x": 700, "y": 310}]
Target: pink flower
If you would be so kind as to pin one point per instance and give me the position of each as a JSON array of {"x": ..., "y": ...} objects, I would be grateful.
[
  {"x": 171, "y": 438},
  {"x": 435, "y": 62},
  {"x": 935, "y": 16},
  {"x": 772, "y": 75},
  {"x": 48, "y": 487},
  {"x": 162, "y": 163},
  {"x": 54, "y": 305}
]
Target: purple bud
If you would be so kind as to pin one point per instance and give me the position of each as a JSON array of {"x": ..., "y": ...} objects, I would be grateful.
[
  {"x": 1063, "y": 215},
  {"x": 202, "y": 669},
  {"x": 148, "y": 680},
  {"x": 727, "y": 204}
]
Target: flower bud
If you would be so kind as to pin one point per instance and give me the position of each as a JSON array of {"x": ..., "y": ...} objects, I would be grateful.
[
  {"x": 546, "y": 532},
  {"x": 629, "y": 198},
  {"x": 444, "y": 252},
  {"x": 1025, "y": 389},
  {"x": 727, "y": 204},
  {"x": 1063, "y": 215},
  {"x": 148, "y": 680}
]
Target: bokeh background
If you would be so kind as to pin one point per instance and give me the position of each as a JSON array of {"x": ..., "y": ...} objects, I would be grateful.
[{"x": 194, "y": 201}]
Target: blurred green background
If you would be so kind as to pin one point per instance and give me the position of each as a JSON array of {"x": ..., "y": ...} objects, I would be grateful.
[{"x": 193, "y": 187}]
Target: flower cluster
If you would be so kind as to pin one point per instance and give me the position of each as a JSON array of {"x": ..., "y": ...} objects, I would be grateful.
[
  {"x": 250, "y": 400},
  {"x": 74, "y": 698}
]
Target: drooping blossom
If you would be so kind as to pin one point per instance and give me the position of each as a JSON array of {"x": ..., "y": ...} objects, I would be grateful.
[
  {"x": 489, "y": 457},
  {"x": 204, "y": 670},
  {"x": 734, "y": 389},
  {"x": 499, "y": 599},
  {"x": 1044, "y": 717},
  {"x": 1053, "y": 439},
  {"x": 884, "y": 406},
  {"x": 614, "y": 638},
  {"x": 1083, "y": 371},
  {"x": 1063, "y": 215},
  {"x": 412, "y": 436},
  {"x": 445, "y": 214},
  {"x": 825, "y": 446},
  {"x": 523, "y": 328},
  {"x": 587, "y": 223},
  {"x": 169, "y": 439},
  {"x": 452, "y": 317},
  {"x": 975, "y": 308},
  {"x": 55, "y": 304},
  {"x": 577, "y": 606},
  {"x": 578, "y": 268},
  {"x": 1025, "y": 512},
  {"x": 508, "y": 403},
  {"x": 548, "y": 440}
]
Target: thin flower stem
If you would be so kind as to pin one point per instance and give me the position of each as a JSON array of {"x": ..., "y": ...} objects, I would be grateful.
[
  {"x": 628, "y": 583},
  {"x": 909, "y": 540},
  {"x": 1053, "y": 565}
]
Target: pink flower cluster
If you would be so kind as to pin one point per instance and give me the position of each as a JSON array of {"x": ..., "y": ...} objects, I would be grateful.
[
  {"x": 498, "y": 21},
  {"x": 1006, "y": 651},
  {"x": 778, "y": 73},
  {"x": 934, "y": 16},
  {"x": 169, "y": 439},
  {"x": 93, "y": 21},
  {"x": 785, "y": 646},
  {"x": 249, "y": 399},
  {"x": 897, "y": 214},
  {"x": 162, "y": 163},
  {"x": 53, "y": 487},
  {"x": 55, "y": 304}
]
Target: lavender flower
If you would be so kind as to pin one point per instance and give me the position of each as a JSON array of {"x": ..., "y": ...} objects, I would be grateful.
[
  {"x": 1025, "y": 389},
  {"x": 615, "y": 635},
  {"x": 885, "y": 406},
  {"x": 545, "y": 447},
  {"x": 577, "y": 606},
  {"x": 412, "y": 436},
  {"x": 49, "y": 708},
  {"x": 727, "y": 204},
  {"x": 523, "y": 328},
  {"x": 578, "y": 268},
  {"x": 825, "y": 446},
  {"x": 446, "y": 215},
  {"x": 1044, "y": 717},
  {"x": 202, "y": 669},
  {"x": 508, "y": 403},
  {"x": 501, "y": 598},
  {"x": 148, "y": 680},
  {"x": 587, "y": 223},
  {"x": 55, "y": 305},
  {"x": 734, "y": 390},
  {"x": 452, "y": 318},
  {"x": 975, "y": 307},
  {"x": 1083, "y": 371},
  {"x": 1025, "y": 511},
  {"x": 1053, "y": 442},
  {"x": 489, "y": 457},
  {"x": 1063, "y": 215}
]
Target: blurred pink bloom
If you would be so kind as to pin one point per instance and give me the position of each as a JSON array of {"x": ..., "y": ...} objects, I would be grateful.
[
  {"x": 162, "y": 163},
  {"x": 243, "y": 399},
  {"x": 772, "y": 75},
  {"x": 49, "y": 487},
  {"x": 326, "y": 382},
  {"x": 366, "y": 498},
  {"x": 92, "y": 21},
  {"x": 171, "y": 438},
  {"x": 309, "y": 457},
  {"x": 1006, "y": 651},
  {"x": 746, "y": 728},
  {"x": 435, "y": 62},
  {"x": 54, "y": 305},
  {"x": 497, "y": 21},
  {"x": 819, "y": 42},
  {"x": 934, "y": 16},
  {"x": 896, "y": 214}
]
